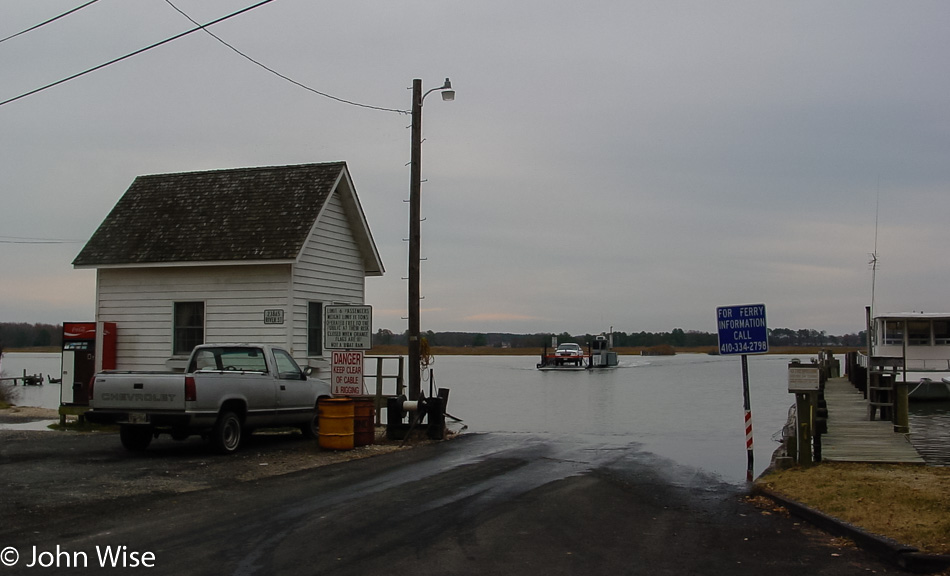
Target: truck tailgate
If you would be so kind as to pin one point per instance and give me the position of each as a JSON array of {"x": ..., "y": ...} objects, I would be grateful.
[{"x": 138, "y": 391}]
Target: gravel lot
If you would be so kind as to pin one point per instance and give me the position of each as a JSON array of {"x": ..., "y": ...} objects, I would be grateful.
[{"x": 40, "y": 470}]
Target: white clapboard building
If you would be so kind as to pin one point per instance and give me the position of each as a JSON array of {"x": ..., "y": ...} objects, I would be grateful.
[{"x": 238, "y": 255}]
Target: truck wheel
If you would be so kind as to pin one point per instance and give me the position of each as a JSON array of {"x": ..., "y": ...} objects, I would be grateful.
[
  {"x": 311, "y": 429},
  {"x": 135, "y": 438},
  {"x": 226, "y": 436}
]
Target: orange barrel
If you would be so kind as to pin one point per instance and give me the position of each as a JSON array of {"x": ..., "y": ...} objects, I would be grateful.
[
  {"x": 364, "y": 422},
  {"x": 336, "y": 423}
]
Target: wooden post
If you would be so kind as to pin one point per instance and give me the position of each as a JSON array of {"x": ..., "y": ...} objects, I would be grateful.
[
  {"x": 378, "y": 396},
  {"x": 804, "y": 428},
  {"x": 870, "y": 338},
  {"x": 400, "y": 378},
  {"x": 901, "y": 408}
]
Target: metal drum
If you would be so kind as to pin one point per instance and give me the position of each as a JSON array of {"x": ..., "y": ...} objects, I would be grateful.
[{"x": 336, "y": 423}]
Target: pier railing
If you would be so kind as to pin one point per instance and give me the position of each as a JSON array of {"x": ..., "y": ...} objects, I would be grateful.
[
  {"x": 389, "y": 378},
  {"x": 26, "y": 379},
  {"x": 914, "y": 364}
]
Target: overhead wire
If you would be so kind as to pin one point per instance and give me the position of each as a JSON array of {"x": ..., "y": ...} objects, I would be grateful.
[
  {"x": 27, "y": 240},
  {"x": 135, "y": 53},
  {"x": 283, "y": 76},
  {"x": 53, "y": 19}
]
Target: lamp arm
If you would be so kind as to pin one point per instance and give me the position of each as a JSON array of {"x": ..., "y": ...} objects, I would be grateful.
[
  {"x": 446, "y": 86},
  {"x": 429, "y": 91}
]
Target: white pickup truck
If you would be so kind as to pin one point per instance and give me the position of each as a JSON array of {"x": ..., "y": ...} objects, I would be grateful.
[{"x": 227, "y": 391}]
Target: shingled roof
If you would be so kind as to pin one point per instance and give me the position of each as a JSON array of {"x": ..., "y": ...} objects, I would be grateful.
[{"x": 242, "y": 215}]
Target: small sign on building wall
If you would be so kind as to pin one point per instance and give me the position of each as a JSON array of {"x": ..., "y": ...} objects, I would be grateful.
[
  {"x": 347, "y": 370},
  {"x": 274, "y": 316}
]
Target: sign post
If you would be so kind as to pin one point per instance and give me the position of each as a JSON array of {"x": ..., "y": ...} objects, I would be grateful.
[
  {"x": 347, "y": 330},
  {"x": 743, "y": 330},
  {"x": 804, "y": 380}
]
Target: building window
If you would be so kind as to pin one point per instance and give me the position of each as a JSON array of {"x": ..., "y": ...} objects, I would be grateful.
[
  {"x": 941, "y": 332},
  {"x": 894, "y": 332},
  {"x": 189, "y": 326},
  {"x": 918, "y": 333},
  {"x": 315, "y": 329}
]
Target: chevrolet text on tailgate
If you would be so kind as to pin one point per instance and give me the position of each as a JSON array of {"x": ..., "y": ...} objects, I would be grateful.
[{"x": 227, "y": 391}]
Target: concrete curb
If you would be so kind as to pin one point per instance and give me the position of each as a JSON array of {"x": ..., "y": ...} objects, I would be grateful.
[{"x": 906, "y": 557}]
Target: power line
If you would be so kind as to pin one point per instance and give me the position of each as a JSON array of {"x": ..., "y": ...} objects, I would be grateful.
[
  {"x": 53, "y": 19},
  {"x": 136, "y": 53},
  {"x": 26, "y": 240},
  {"x": 278, "y": 74}
]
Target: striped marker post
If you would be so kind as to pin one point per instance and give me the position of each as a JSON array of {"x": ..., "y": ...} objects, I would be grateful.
[
  {"x": 748, "y": 430},
  {"x": 748, "y": 415}
]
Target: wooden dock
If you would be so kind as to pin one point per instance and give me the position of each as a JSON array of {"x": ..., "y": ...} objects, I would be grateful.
[{"x": 852, "y": 437}]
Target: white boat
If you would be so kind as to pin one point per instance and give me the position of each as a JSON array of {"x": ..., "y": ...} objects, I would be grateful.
[{"x": 923, "y": 342}]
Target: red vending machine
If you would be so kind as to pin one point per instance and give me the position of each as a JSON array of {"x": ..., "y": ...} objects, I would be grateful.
[{"x": 88, "y": 347}]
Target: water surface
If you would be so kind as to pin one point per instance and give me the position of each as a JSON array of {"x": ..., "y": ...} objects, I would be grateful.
[{"x": 687, "y": 408}]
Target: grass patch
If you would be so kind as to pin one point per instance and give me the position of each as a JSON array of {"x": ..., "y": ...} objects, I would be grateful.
[
  {"x": 908, "y": 503},
  {"x": 7, "y": 395}
]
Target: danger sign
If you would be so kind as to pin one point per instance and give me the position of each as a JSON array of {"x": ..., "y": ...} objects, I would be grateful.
[{"x": 347, "y": 370}]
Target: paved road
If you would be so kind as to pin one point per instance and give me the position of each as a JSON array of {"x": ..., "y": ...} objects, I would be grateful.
[{"x": 480, "y": 505}]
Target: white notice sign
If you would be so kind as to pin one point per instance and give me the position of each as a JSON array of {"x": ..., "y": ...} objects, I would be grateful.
[
  {"x": 803, "y": 378},
  {"x": 348, "y": 327}
]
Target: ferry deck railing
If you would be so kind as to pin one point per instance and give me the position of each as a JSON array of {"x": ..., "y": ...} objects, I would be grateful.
[{"x": 387, "y": 381}]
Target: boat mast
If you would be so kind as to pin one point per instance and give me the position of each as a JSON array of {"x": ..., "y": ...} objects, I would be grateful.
[{"x": 873, "y": 263}]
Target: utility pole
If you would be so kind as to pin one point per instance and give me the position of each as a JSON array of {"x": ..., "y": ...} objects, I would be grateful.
[
  {"x": 415, "y": 233},
  {"x": 415, "y": 221}
]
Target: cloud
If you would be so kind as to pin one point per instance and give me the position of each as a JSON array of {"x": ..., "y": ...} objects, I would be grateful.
[
  {"x": 498, "y": 317},
  {"x": 634, "y": 164}
]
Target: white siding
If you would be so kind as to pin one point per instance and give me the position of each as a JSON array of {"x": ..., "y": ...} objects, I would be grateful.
[
  {"x": 141, "y": 301},
  {"x": 330, "y": 270}
]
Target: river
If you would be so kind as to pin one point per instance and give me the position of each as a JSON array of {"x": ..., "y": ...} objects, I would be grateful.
[{"x": 687, "y": 408}]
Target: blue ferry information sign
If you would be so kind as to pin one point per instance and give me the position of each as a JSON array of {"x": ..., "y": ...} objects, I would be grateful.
[{"x": 742, "y": 329}]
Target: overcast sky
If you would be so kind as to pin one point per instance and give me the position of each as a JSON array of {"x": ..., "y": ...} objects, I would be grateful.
[{"x": 626, "y": 164}]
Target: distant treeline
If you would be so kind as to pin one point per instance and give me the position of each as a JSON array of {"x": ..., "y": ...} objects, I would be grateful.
[
  {"x": 23, "y": 335},
  {"x": 678, "y": 337}
]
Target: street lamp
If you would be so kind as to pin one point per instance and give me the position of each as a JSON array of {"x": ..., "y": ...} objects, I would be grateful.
[{"x": 415, "y": 218}]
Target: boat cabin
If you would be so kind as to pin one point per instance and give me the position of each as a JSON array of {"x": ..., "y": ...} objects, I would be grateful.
[{"x": 923, "y": 340}]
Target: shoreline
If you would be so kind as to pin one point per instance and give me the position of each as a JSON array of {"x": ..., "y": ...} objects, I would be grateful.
[{"x": 396, "y": 350}]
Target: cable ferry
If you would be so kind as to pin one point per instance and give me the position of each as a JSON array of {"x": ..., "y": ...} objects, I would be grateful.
[{"x": 571, "y": 356}]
